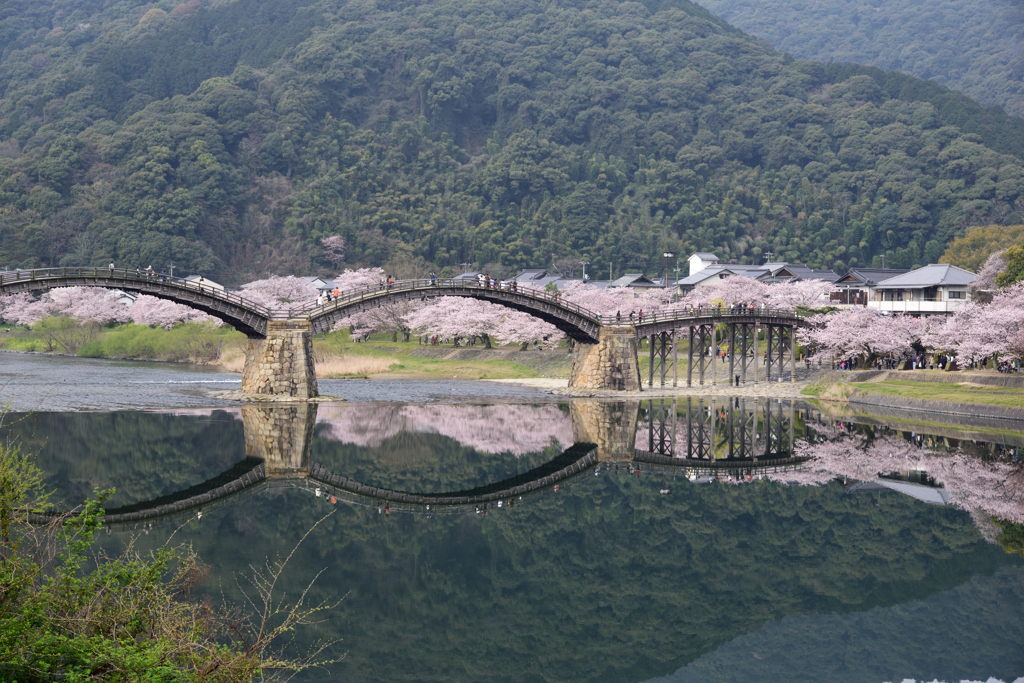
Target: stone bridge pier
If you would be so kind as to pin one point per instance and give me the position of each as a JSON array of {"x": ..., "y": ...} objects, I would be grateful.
[
  {"x": 282, "y": 364},
  {"x": 609, "y": 424},
  {"x": 612, "y": 363},
  {"x": 281, "y": 435}
]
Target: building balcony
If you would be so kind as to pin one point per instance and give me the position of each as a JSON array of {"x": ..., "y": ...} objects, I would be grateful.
[{"x": 918, "y": 306}]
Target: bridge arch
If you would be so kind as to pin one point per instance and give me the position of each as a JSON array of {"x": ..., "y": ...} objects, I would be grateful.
[
  {"x": 244, "y": 315},
  {"x": 576, "y": 322}
]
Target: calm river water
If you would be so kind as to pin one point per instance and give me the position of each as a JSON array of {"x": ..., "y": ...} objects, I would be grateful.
[{"x": 507, "y": 537}]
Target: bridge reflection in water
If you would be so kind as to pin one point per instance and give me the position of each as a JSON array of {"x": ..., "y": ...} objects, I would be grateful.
[{"x": 738, "y": 438}]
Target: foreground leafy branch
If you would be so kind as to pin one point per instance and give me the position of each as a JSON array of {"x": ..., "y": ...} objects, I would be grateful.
[{"x": 69, "y": 611}]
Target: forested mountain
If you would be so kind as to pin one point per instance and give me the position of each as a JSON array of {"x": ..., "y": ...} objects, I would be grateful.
[
  {"x": 230, "y": 138},
  {"x": 972, "y": 46}
]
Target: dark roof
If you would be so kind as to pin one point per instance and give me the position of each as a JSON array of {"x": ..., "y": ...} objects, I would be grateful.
[
  {"x": 869, "y": 276},
  {"x": 632, "y": 280},
  {"x": 932, "y": 275}
]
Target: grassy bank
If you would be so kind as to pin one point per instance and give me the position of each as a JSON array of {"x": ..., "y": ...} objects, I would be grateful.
[
  {"x": 1006, "y": 397},
  {"x": 336, "y": 354},
  {"x": 964, "y": 392},
  {"x": 191, "y": 343}
]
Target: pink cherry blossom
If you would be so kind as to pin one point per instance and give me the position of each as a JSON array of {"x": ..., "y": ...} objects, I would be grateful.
[
  {"x": 739, "y": 289},
  {"x": 154, "y": 312},
  {"x": 456, "y": 316},
  {"x": 861, "y": 332},
  {"x": 333, "y": 249},
  {"x": 273, "y": 292},
  {"x": 982, "y": 330},
  {"x": 516, "y": 429},
  {"x": 86, "y": 304},
  {"x": 992, "y": 488}
]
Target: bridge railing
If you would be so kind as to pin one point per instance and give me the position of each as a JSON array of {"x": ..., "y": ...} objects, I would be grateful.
[
  {"x": 693, "y": 312},
  {"x": 351, "y": 296},
  {"x": 42, "y": 274}
]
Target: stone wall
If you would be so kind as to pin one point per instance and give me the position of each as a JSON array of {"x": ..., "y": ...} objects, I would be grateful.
[
  {"x": 609, "y": 364},
  {"x": 281, "y": 435},
  {"x": 609, "y": 424},
  {"x": 281, "y": 364}
]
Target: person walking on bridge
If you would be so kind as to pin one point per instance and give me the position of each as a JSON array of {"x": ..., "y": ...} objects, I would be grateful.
[{"x": 111, "y": 269}]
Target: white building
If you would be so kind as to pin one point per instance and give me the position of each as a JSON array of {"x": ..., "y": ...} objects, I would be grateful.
[
  {"x": 934, "y": 289},
  {"x": 700, "y": 261}
]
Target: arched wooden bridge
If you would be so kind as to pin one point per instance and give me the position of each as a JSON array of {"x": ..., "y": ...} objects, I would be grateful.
[
  {"x": 606, "y": 357},
  {"x": 244, "y": 315}
]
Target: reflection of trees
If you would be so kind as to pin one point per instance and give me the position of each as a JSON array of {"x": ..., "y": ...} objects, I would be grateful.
[
  {"x": 606, "y": 580},
  {"x": 513, "y": 429},
  {"x": 990, "y": 487}
]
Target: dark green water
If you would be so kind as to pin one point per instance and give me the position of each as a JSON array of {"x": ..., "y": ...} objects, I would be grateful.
[{"x": 607, "y": 579}]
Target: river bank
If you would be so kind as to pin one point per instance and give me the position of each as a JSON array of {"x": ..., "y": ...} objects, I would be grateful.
[{"x": 989, "y": 395}]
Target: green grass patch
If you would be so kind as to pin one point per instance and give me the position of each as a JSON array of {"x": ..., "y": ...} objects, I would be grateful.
[
  {"x": 1008, "y": 397},
  {"x": 193, "y": 342}
]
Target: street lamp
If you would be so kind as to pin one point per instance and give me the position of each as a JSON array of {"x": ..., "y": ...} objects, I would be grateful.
[
  {"x": 668, "y": 256},
  {"x": 584, "y": 264}
]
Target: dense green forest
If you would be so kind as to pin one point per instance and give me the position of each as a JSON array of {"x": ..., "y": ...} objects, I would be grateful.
[
  {"x": 972, "y": 46},
  {"x": 230, "y": 138}
]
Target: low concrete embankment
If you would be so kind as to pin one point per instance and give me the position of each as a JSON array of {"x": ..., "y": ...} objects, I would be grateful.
[
  {"x": 976, "y": 414},
  {"x": 993, "y": 380}
]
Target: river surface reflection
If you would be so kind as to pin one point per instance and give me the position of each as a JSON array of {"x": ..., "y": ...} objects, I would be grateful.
[{"x": 608, "y": 541}]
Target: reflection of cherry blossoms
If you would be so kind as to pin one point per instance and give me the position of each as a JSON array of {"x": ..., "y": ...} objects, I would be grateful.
[
  {"x": 994, "y": 488},
  {"x": 515, "y": 429}
]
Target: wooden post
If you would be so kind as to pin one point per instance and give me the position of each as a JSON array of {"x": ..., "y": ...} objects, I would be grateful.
[
  {"x": 732, "y": 351},
  {"x": 714, "y": 354},
  {"x": 792, "y": 352},
  {"x": 650, "y": 368},
  {"x": 675, "y": 358},
  {"x": 756, "y": 332},
  {"x": 689, "y": 367}
]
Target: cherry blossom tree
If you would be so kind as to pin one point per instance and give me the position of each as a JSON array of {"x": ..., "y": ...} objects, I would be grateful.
[
  {"x": 456, "y": 316},
  {"x": 980, "y": 330},
  {"x": 861, "y": 332},
  {"x": 982, "y": 288},
  {"x": 360, "y": 278},
  {"x": 154, "y": 312},
  {"x": 745, "y": 290},
  {"x": 274, "y": 291},
  {"x": 333, "y": 249},
  {"x": 85, "y": 304},
  {"x": 611, "y": 300}
]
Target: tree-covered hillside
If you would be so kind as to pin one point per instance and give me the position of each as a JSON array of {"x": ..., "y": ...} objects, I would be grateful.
[
  {"x": 230, "y": 139},
  {"x": 972, "y": 46}
]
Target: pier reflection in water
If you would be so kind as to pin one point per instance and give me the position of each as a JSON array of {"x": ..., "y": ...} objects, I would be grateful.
[{"x": 698, "y": 438}]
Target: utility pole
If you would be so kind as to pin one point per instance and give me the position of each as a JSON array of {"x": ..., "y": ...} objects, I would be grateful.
[
  {"x": 172, "y": 270},
  {"x": 584, "y": 264}
]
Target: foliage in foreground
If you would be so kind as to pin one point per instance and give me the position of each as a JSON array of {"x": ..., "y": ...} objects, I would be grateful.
[{"x": 70, "y": 613}]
